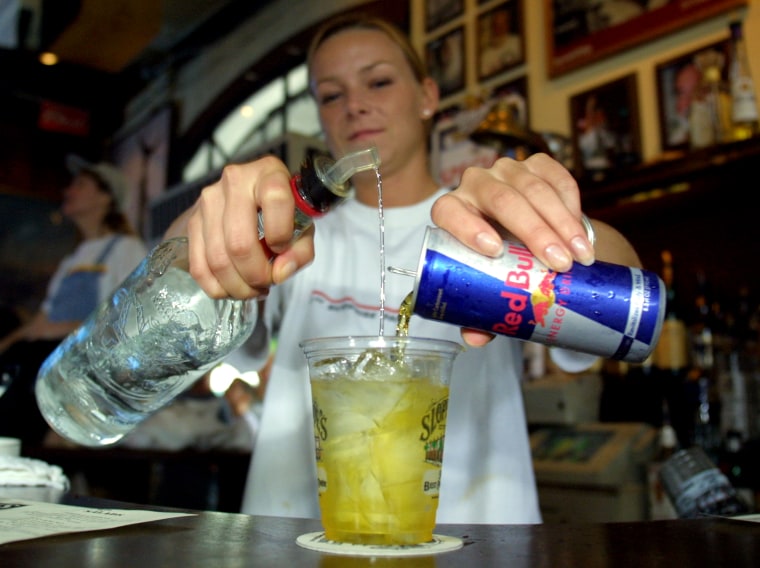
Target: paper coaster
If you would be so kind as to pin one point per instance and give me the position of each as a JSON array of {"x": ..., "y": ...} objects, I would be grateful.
[{"x": 317, "y": 541}]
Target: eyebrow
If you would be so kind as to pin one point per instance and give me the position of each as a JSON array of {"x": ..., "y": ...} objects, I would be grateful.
[{"x": 362, "y": 71}]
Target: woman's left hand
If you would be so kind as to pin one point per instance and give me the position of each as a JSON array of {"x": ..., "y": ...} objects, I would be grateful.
[{"x": 537, "y": 200}]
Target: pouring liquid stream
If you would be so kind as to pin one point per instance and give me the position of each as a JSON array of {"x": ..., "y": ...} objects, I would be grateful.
[
  {"x": 381, "y": 215},
  {"x": 405, "y": 310}
]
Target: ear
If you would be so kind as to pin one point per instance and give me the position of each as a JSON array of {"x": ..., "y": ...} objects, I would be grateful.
[{"x": 430, "y": 98}]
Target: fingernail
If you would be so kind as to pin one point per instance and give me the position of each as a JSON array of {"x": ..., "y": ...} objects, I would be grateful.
[
  {"x": 287, "y": 271},
  {"x": 583, "y": 251},
  {"x": 558, "y": 258},
  {"x": 488, "y": 244}
]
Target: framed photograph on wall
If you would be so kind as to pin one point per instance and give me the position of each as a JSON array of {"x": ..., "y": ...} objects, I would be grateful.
[
  {"x": 439, "y": 12},
  {"x": 677, "y": 82},
  {"x": 501, "y": 40},
  {"x": 445, "y": 61},
  {"x": 579, "y": 33},
  {"x": 605, "y": 128}
]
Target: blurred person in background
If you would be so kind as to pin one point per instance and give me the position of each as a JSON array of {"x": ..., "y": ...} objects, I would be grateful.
[
  {"x": 199, "y": 419},
  {"x": 108, "y": 251}
]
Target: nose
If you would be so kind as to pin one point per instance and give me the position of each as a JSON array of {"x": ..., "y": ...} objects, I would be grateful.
[
  {"x": 356, "y": 103},
  {"x": 68, "y": 190}
]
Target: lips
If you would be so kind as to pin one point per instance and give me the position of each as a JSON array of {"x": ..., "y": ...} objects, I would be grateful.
[{"x": 363, "y": 134}]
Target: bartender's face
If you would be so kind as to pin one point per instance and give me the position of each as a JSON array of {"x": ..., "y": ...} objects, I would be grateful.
[
  {"x": 83, "y": 196},
  {"x": 367, "y": 94}
]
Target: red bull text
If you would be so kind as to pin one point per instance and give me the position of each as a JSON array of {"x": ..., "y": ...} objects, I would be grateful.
[{"x": 605, "y": 309}]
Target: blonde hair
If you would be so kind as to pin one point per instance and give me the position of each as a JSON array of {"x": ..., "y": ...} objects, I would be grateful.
[{"x": 358, "y": 22}]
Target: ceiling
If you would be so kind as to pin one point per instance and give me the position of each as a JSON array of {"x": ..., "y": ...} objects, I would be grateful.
[
  {"x": 126, "y": 31},
  {"x": 109, "y": 49}
]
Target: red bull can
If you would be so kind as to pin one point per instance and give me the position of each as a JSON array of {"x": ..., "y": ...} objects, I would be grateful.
[{"x": 604, "y": 309}]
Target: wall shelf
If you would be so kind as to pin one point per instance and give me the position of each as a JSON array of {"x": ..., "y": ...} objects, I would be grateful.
[
  {"x": 697, "y": 205},
  {"x": 699, "y": 169}
]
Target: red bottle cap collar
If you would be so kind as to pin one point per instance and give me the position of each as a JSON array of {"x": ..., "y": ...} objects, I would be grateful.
[{"x": 301, "y": 203}]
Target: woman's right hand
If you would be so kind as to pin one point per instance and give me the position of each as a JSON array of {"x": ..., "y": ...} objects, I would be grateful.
[{"x": 226, "y": 257}]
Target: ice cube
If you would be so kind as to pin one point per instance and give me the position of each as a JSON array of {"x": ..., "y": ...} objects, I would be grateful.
[{"x": 374, "y": 364}]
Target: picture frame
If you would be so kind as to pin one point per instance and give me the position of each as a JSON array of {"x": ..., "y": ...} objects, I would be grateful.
[
  {"x": 500, "y": 39},
  {"x": 440, "y": 12},
  {"x": 579, "y": 36},
  {"x": 677, "y": 79},
  {"x": 605, "y": 128},
  {"x": 445, "y": 56}
]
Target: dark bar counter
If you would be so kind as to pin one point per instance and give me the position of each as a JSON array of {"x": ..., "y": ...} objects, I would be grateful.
[{"x": 213, "y": 539}]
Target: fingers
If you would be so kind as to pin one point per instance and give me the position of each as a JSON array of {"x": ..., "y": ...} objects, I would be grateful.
[
  {"x": 296, "y": 256},
  {"x": 227, "y": 258},
  {"x": 536, "y": 200},
  {"x": 475, "y": 337},
  {"x": 211, "y": 265},
  {"x": 235, "y": 254}
]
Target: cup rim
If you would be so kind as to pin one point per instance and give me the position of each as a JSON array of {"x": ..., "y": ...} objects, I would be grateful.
[{"x": 341, "y": 342}]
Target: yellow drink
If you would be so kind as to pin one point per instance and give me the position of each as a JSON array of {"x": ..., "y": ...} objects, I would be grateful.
[
  {"x": 379, "y": 432},
  {"x": 378, "y": 465}
]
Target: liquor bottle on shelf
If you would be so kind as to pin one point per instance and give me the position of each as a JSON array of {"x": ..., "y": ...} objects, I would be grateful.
[
  {"x": 702, "y": 116},
  {"x": 704, "y": 373},
  {"x": 730, "y": 462},
  {"x": 670, "y": 360},
  {"x": 740, "y": 410},
  {"x": 710, "y": 117},
  {"x": 660, "y": 506},
  {"x": 738, "y": 353},
  {"x": 744, "y": 112},
  {"x": 707, "y": 433}
]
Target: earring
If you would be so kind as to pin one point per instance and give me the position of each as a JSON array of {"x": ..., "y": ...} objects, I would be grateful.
[{"x": 426, "y": 113}]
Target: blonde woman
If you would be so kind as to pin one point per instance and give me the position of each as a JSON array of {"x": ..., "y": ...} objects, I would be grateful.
[{"x": 371, "y": 89}]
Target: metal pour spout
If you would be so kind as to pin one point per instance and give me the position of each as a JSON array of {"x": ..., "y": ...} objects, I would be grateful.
[{"x": 335, "y": 175}]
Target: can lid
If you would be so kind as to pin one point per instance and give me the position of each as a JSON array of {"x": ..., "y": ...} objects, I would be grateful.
[{"x": 589, "y": 229}]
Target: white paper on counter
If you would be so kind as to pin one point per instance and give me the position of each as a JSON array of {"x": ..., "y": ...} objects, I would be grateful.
[
  {"x": 753, "y": 518},
  {"x": 23, "y": 520}
]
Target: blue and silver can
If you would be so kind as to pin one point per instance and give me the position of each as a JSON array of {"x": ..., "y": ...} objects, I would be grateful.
[{"x": 604, "y": 309}]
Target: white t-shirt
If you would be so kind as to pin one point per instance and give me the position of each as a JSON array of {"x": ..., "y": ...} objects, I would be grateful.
[
  {"x": 125, "y": 255},
  {"x": 487, "y": 469}
]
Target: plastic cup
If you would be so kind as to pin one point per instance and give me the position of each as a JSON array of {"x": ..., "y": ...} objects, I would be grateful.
[{"x": 379, "y": 409}]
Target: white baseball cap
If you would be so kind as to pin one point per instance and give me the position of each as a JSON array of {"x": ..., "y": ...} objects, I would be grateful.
[{"x": 107, "y": 173}]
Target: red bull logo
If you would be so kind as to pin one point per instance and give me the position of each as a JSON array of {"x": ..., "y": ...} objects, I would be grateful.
[
  {"x": 518, "y": 293},
  {"x": 543, "y": 299}
]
